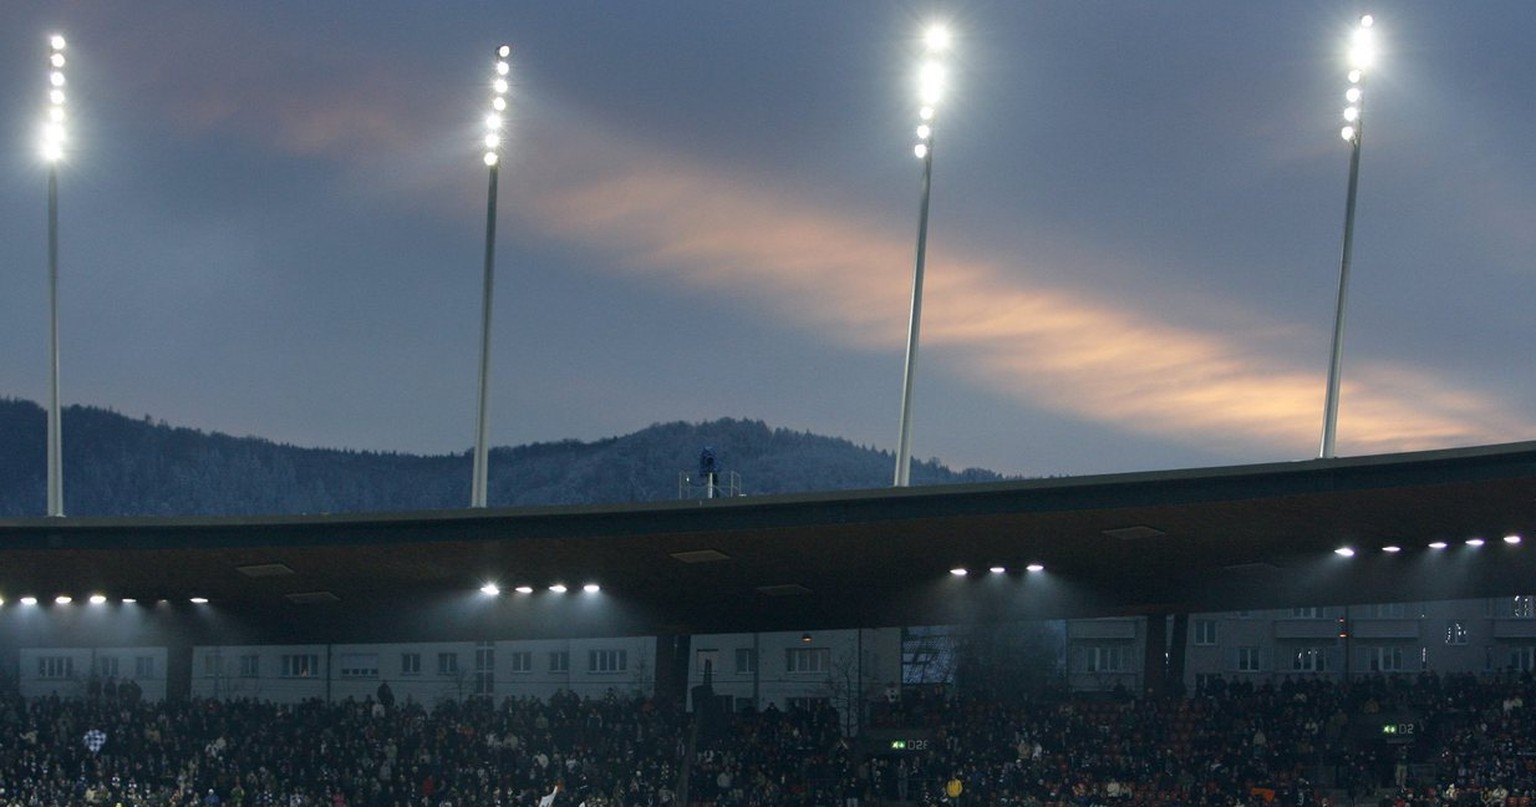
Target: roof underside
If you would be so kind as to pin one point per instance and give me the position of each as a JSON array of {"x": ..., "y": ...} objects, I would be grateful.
[{"x": 1197, "y": 541}]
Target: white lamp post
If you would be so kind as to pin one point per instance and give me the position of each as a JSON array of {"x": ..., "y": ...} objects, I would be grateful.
[
  {"x": 1362, "y": 53},
  {"x": 53, "y": 143},
  {"x": 493, "y": 126},
  {"x": 930, "y": 89}
]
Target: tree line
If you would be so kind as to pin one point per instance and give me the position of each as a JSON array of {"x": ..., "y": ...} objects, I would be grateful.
[{"x": 115, "y": 465}]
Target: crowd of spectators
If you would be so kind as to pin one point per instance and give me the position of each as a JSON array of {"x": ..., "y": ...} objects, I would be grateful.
[{"x": 1464, "y": 742}]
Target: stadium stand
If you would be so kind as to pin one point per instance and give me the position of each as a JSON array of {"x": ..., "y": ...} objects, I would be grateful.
[{"x": 1302, "y": 742}]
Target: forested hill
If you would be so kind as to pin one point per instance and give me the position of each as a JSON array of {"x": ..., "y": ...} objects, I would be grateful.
[{"x": 119, "y": 466}]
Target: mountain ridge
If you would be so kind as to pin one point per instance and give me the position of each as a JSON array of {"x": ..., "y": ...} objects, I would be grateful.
[{"x": 115, "y": 465}]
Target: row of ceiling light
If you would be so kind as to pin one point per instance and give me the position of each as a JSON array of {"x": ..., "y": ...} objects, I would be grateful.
[
  {"x": 1349, "y": 551},
  {"x": 94, "y": 599},
  {"x": 492, "y": 589},
  {"x": 961, "y": 571},
  {"x": 1344, "y": 551}
]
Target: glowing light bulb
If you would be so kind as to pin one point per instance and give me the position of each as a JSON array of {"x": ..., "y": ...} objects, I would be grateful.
[{"x": 936, "y": 39}]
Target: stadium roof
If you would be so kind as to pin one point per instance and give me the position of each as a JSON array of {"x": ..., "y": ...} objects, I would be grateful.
[{"x": 1246, "y": 537}]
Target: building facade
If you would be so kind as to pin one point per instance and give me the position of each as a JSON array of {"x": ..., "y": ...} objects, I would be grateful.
[{"x": 840, "y": 668}]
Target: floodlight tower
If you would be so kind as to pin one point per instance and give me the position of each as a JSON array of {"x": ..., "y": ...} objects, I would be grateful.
[
  {"x": 493, "y": 125},
  {"x": 1362, "y": 52},
  {"x": 54, "y": 139},
  {"x": 930, "y": 89}
]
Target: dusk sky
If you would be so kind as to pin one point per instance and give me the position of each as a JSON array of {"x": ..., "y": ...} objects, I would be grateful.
[{"x": 272, "y": 219}]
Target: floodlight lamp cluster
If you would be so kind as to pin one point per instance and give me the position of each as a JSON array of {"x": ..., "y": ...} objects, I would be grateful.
[
  {"x": 1362, "y": 53},
  {"x": 54, "y": 132},
  {"x": 496, "y": 117},
  {"x": 930, "y": 87}
]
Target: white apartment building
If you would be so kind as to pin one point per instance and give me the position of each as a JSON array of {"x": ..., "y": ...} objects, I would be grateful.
[{"x": 836, "y": 667}]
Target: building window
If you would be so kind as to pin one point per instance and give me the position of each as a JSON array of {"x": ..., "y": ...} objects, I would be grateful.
[
  {"x": 1387, "y": 610},
  {"x": 359, "y": 665},
  {"x": 1456, "y": 633},
  {"x": 485, "y": 668},
  {"x": 107, "y": 665},
  {"x": 1522, "y": 659},
  {"x": 607, "y": 661},
  {"x": 144, "y": 667},
  {"x": 1387, "y": 659},
  {"x": 300, "y": 665},
  {"x": 250, "y": 666},
  {"x": 559, "y": 661},
  {"x": 707, "y": 661},
  {"x": 807, "y": 660},
  {"x": 806, "y": 704},
  {"x": 213, "y": 665},
  {"x": 55, "y": 667},
  {"x": 1523, "y": 607},
  {"x": 1310, "y": 659},
  {"x": 521, "y": 661},
  {"x": 1105, "y": 659},
  {"x": 746, "y": 661},
  {"x": 1306, "y": 613},
  {"x": 1247, "y": 659},
  {"x": 410, "y": 664},
  {"x": 447, "y": 663},
  {"x": 1205, "y": 632}
]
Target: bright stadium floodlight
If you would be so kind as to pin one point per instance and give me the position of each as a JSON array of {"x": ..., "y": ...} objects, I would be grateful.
[
  {"x": 54, "y": 139},
  {"x": 1362, "y": 56},
  {"x": 494, "y": 120},
  {"x": 931, "y": 79}
]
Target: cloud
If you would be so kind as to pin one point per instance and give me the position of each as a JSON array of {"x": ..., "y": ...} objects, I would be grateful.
[
  {"x": 821, "y": 269},
  {"x": 1057, "y": 348}
]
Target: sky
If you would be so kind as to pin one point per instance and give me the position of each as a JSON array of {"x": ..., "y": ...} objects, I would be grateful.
[{"x": 272, "y": 221}]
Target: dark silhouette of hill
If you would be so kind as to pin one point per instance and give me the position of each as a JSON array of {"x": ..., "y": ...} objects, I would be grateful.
[{"x": 118, "y": 466}]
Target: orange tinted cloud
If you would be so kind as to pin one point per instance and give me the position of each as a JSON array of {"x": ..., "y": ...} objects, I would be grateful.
[{"x": 1057, "y": 348}]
